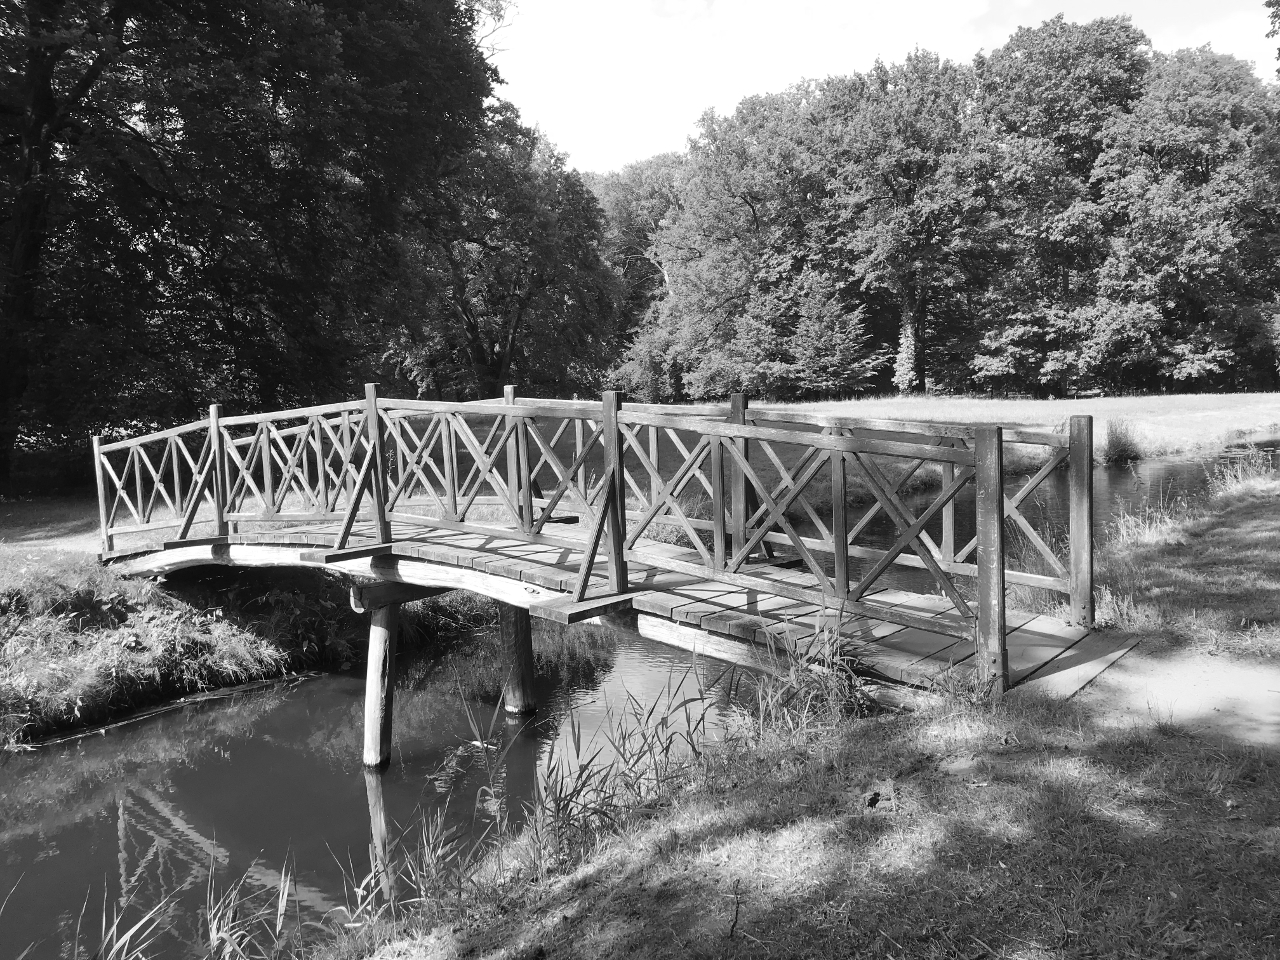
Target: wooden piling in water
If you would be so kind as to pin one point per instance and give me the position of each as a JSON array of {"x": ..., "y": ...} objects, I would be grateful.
[
  {"x": 516, "y": 632},
  {"x": 379, "y": 684},
  {"x": 379, "y": 844}
]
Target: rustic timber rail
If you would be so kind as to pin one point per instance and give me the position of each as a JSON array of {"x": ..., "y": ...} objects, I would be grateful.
[{"x": 768, "y": 527}]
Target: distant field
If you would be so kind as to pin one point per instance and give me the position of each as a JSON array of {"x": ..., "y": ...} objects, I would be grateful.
[{"x": 1159, "y": 425}]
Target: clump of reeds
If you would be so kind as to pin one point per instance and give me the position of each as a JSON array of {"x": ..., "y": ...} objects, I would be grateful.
[{"x": 1120, "y": 443}]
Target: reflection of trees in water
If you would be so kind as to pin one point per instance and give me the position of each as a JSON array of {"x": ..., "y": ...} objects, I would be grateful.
[{"x": 55, "y": 787}]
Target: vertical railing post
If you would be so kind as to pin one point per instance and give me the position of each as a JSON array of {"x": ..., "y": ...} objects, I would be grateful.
[
  {"x": 616, "y": 504},
  {"x": 737, "y": 476},
  {"x": 218, "y": 470},
  {"x": 449, "y": 452},
  {"x": 948, "y": 545},
  {"x": 513, "y": 456},
  {"x": 992, "y": 656},
  {"x": 715, "y": 453},
  {"x": 107, "y": 539},
  {"x": 1080, "y": 521},
  {"x": 839, "y": 524},
  {"x": 378, "y": 469}
]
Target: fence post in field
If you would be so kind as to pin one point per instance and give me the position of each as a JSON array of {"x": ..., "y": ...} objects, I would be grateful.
[
  {"x": 1080, "y": 524},
  {"x": 614, "y": 498},
  {"x": 377, "y": 469},
  {"x": 992, "y": 656},
  {"x": 218, "y": 470},
  {"x": 107, "y": 539}
]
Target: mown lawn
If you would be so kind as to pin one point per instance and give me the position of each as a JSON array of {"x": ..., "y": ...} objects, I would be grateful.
[{"x": 1159, "y": 425}]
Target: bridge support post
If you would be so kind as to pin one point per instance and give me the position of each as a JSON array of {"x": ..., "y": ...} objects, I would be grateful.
[
  {"x": 516, "y": 633},
  {"x": 379, "y": 845},
  {"x": 379, "y": 684}
]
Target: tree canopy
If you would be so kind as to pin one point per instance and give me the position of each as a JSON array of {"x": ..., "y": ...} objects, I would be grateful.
[{"x": 1071, "y": 212}]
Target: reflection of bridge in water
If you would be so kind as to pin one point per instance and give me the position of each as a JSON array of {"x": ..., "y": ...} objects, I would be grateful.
[
  {"x": 733, "y": 531},
  {"x": 161, "y": 855}
]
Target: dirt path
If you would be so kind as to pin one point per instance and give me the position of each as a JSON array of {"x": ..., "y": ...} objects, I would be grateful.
[
  {"x": 61, "y": 523},
  {"x": 1206, "y": 695}
]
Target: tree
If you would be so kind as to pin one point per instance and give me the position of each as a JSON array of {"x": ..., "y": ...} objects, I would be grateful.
[
  {"x": 506, "y": 255},
  {"x": 197, "y": 195},
  {"x": 910, "y": 210}
]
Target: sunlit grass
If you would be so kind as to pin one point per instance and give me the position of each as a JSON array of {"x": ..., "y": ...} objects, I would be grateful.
[{"x": 1156, "y": 426}]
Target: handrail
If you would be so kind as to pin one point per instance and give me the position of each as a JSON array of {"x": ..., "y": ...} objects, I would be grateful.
[{"x": 604, "y": 476}]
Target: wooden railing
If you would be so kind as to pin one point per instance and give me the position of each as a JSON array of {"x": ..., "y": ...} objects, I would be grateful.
[{"x": 807, "y": 508}]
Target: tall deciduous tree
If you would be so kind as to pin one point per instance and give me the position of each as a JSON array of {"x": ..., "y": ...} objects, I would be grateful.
[
  {"x": 196, "y": 194},
  {"x": 510, "y": 277}
]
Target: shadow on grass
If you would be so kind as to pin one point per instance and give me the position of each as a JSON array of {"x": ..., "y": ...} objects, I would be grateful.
[
  {"x": 46, "y": 520},
  {"x": 1209, "y": 580},
  {"x": 1019, "y": 832}
]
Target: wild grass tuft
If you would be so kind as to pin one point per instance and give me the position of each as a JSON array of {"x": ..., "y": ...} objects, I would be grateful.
[{"x": 1120, "y": 443}]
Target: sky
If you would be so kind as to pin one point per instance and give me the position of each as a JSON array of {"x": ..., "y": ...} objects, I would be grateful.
[{"x": 610, "y": 82}]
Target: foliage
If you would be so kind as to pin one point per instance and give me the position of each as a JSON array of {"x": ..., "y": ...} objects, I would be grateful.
[
  {"x": 1072, "y": 213},
  {"x": 198, "y": 199},
  {"x": 507, "y": 278}
]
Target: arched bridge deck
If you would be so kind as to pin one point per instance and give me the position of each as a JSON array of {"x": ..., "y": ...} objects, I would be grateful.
[{"x": 739, "y": 532}]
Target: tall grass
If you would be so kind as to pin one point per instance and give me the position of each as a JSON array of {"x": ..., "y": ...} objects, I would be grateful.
[{"x": 1120, "y": 443}]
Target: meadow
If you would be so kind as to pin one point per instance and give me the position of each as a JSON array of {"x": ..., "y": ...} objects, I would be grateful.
[{"x": 1125, "y": 428}]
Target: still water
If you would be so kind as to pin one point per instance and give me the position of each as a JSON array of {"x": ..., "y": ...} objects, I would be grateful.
[{"x": 243, "y": 784}]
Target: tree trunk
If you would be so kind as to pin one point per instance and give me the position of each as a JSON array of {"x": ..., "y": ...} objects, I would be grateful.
[{"x": 908, "y": 367}]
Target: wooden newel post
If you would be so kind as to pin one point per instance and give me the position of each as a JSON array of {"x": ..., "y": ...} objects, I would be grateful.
[
  {"x": 379, "y": 684},
  {"x": 1080, "y": 522},
  {"x": 516, "y": 633},
  {"x": 616, "y": 506},
  {"x": 103, "y": 520},
  {"x": 378, "y": 469},
  {"x": 992, "y": 656},
  {"x": 218, "y": 470}
]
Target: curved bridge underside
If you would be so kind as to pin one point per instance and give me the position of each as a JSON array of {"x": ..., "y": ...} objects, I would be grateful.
[{"x": 751, "y": 627}]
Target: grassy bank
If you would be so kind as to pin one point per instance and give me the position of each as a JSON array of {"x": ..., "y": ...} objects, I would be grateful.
[
  {"x": 1124, "y": 427},
  {"x": 1028, "y": 829},
  {"x": 81, "y": 646}
]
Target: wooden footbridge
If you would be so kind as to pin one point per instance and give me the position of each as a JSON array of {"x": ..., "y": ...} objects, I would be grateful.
[{"x": 739, "y": 532}]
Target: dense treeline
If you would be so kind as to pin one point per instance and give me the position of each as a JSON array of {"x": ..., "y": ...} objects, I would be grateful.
[
  {"x": 1073, "y": 212},
  {"x": 268, "y": 202}
]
